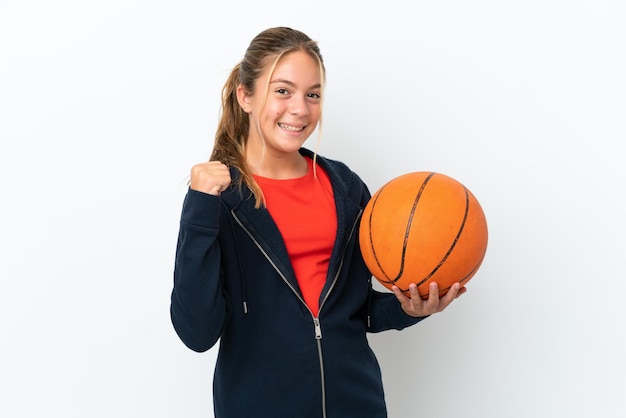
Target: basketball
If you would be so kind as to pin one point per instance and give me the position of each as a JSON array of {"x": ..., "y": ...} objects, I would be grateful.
[{"x": 422, "y": 227}]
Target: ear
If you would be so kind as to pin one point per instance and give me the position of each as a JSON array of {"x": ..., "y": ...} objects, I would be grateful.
[{"x": 243, "y": 98}]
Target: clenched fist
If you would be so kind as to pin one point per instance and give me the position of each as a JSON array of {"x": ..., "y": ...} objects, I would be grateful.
[{"x": 211, "y": 177}]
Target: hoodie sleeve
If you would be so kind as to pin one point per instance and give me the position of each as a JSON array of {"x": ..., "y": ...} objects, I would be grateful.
[
  {"x": 386, "y": 313},
  {"x": 198, "y": 308}
]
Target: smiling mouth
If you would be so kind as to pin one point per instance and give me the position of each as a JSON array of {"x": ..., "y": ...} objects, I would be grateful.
[{"x": 291, "y": 128}]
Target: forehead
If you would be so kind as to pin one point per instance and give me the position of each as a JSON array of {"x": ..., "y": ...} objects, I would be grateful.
[{"x": 296, "y": 67}]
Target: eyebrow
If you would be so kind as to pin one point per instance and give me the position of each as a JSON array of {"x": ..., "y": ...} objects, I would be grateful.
[{"x": 291, "y": 83}]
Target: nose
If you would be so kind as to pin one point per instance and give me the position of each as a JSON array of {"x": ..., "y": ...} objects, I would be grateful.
[{"x": 299, "y": 106}]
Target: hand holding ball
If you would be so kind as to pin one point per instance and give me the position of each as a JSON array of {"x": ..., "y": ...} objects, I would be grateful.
[{"x": 423, "y": 227}]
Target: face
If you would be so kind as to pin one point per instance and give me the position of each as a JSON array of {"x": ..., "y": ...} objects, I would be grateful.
[{"x": 292, "y": 109}]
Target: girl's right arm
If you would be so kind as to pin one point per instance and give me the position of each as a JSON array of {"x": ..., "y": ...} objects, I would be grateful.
[{"x": 198, "y": 308}]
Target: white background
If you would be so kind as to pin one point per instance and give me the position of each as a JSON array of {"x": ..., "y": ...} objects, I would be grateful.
[{"x": 104, "y": 107}]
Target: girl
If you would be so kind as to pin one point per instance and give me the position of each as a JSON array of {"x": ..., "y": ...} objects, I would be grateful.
[{"x": 267, "y": 260}]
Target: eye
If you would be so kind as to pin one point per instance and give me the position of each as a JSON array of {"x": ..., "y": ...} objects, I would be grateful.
[
  {"x": 316, "y": 96},
  {"x": 282, "y": 91}
]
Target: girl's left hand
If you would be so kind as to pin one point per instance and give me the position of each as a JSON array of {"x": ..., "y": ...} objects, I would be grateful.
[{"x": 417, "y": 307}]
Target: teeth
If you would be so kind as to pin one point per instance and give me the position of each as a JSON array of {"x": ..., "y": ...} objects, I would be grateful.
[{"x": 290, "y": 128}]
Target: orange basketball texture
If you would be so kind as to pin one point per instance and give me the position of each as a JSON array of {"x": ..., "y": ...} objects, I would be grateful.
[{"x": 422, "y": 227}]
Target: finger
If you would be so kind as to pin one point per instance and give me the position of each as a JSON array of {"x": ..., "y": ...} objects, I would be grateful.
[
  {"x": 216, "y": 189},
  {"x": 452, "y": 294},
  {"x": 414, "y": 293},
  {"x": 433, "y": 296},
  {"x": 399, "y": 294}
]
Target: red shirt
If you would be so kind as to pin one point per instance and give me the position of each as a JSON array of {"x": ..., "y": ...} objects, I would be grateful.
[{"x": 304, "y": 211}]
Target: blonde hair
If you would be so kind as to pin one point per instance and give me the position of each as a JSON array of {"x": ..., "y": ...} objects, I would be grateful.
[{"x": 266, "y": 49}]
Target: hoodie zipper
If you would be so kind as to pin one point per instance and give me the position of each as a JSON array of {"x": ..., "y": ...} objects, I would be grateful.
[
  {"x": 343, "y": 253},
  {"x": 295, "y": 292},
  {"x": 316, "y": 321}
]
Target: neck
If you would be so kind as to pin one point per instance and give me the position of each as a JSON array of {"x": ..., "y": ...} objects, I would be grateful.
[{"x": 285, "y": 166}]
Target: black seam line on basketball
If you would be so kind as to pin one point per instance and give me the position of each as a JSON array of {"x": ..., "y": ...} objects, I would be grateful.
[
  {"x": 462, "y": 281},
  {"x": 369, "y": 222},
  {"x": 456, "y": 239},
  {"x": 406, "y": 233}
]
